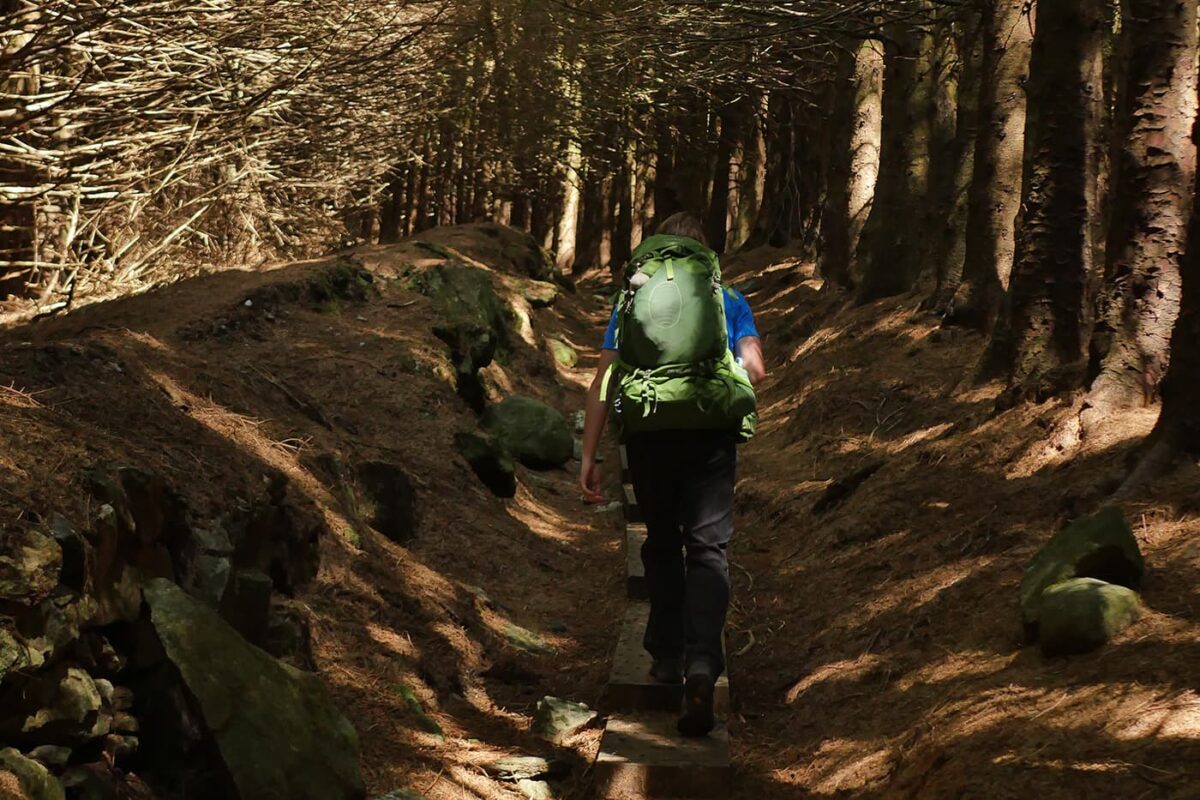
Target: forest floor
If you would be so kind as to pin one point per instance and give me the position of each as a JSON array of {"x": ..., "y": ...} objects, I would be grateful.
[{"x": 876, "y": 647}]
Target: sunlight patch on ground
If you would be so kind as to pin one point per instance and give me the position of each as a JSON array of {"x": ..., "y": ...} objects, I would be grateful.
[
  {"x": 845, "y": 671},
  {"x": 955, "y": 667}
]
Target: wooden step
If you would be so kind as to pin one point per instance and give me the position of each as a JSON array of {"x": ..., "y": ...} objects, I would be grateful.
[
  {"x": 645, "y": 757},
  {"x": 630, "y": 687},
  {"x": 635, "y": 582},
  {"x": 632, "y": 512}
]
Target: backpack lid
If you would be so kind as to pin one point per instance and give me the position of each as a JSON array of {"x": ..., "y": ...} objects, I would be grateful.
[{"x": 661, "y": 246}]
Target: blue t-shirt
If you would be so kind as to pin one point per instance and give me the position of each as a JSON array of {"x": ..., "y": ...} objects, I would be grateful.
[{"x": 739, "y": 321}]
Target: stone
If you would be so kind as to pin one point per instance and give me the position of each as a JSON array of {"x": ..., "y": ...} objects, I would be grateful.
[
  {"x": 14, "y": 655},
  {"x": 533, "y": 432},
  {"x": 61, "y": 706},
  {"x": 1101, "y": 546},
  {"x": 424, "y": 721},
  {"x": 30, "y": 562},
  {"x": 1082, "y": 614},
  {"x": 535, "y": 790},
  {"x": 471, "y": 320},
  {"x": 247, "y": 603},
  {"x": 490, "y": 463},
  {"x": 579, "y": 418},
  {"x": 563, "y": 353},
  {"x": 210, "y": 578},
  {"x": 35, "y": 780},
  {"x": 289, "y": 635},
  {"x": 539, "y": 294},
  {"x": 388, "y": 501},
  {"x": 277, "y": 728},
  {"x": 77, "y": 557},
  {"x": 51, "y": 755},
  {"x": 401, "y": 794},
  {"x": 555, "y": 719},
  {"x": 518, "y": 768},
  {"x": 526, "y": 640}
]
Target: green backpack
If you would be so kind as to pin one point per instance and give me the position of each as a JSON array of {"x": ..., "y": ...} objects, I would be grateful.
[{"x": 674, "y": 369}]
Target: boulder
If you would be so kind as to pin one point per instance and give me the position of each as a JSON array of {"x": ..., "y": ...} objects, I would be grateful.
[
  {"x": 246, "y": 604},
  {"x": 539, "y": 294},
  {"x": 289, "y": 636},
  {"x": 555, "y": 719},
  {"x": 471, "y": 320},
  {"x": 62, "y": 706},
  {"x": 533, "y": 432},
  {"x": 1082, "y": 614},
  {"x": 563, "y": 353},
  {"x": 388, "y": 500},
  {"x": 14, "y": 655},
  {"x": 535, "y": 790},
  {"x": 490, "y": 463},
  {"x": 30, "y": 563},
  {"x": 518, "y": 768},
  {"x": 34, "y": 780},
  {"x": 276, "y": 728},
  {"x": 1101, "y": 546}
]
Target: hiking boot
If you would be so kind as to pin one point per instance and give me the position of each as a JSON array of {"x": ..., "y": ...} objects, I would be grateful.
[
  {"x": 698, "y": 717},
  {"x": 667, "y": 670}
]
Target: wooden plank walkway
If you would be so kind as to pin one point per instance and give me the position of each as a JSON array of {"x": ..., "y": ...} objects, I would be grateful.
[{"x": 642, "y": 755}]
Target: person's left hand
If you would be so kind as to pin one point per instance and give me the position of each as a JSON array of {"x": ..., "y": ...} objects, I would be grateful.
[{"x": 589, "y": 481}]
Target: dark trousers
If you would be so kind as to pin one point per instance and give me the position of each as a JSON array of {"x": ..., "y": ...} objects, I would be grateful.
[{"x": 684, "y": 483}]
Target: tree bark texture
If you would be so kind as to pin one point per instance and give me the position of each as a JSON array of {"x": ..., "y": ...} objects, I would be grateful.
[
  {"x": 956, "y": 125},
  {"x": 1042, "y": 339},
  {"x": 994, "y": 198},
  {"x": 893, "y": 245},
  {"x": 1152, "y": 199}
]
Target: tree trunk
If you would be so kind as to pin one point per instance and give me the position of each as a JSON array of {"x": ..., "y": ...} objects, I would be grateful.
[
  {"x": 568, "y": 220},
  {"x": 853, "y": 158},
  {"x": 716, "y": 223},
  {"x": 894, "y": 242},
  {"x": 751, "y": 175},
  {"x": 1041, "y": 340},
  {"x": 1155, "y": 176},
  {"x": 995, "y": 194},
  {"x": 956, "y": 124},
  {"x": 1178, "y": 427},
  {"x": 774, "y": 225}
]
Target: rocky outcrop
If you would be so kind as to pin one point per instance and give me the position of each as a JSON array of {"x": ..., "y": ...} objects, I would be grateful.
[
  {"x": 278, "y": 732},
  {"x": 490, "y": 463},
  {"x": 534, "y": 433}
]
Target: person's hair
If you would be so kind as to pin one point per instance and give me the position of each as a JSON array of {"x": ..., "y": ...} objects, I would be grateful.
[{"x": 683, "y": 224}]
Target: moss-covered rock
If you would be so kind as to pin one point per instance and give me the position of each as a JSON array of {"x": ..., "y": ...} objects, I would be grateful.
[
  {"x": 1100, "y": 546},
  {"x": 555, "y": 719},
  {"x": 539, "y": 294},
  {"x": 1082, "y": 614},
  {"x": 563, "y": 353},
  {"x": 35, "y": 780},
  {"x": 490, "y": 463},
  {"x": 537, "y": 435},
  {"x": 472, "y": 320},
  {"x": 60, "y": 706},
  {"x": 30, "y": 562},
  {"x": 277, "y": 729}
]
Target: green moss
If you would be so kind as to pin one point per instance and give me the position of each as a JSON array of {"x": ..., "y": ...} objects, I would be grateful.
[
  {"x": 424, "y": 721},
  {"x": 343, "y": 282}
]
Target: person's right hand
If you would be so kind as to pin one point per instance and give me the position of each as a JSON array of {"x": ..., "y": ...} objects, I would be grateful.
[{"x": 589, "y": 481}]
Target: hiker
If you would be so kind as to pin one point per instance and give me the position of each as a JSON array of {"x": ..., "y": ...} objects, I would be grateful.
[{"x": 677, "y": 364}]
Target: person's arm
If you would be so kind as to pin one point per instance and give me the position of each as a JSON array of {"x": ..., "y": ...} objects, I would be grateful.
[
  {"x": 749, "y": 350},
  {"x": 595, "y": 416}
]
